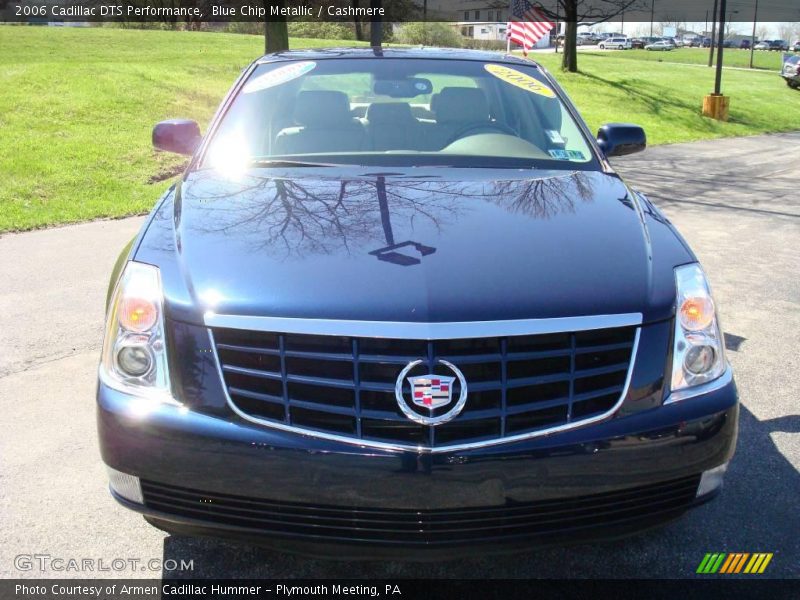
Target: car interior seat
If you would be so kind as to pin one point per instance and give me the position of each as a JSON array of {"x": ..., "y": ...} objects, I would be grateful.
[
  {"x": 324, "y": 124},
  {"x": 392, "y": 126},
  {"x": 455, "y": 108}
]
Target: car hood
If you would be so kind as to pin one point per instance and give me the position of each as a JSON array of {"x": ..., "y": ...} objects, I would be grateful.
[{"x": 423, "y": 245}]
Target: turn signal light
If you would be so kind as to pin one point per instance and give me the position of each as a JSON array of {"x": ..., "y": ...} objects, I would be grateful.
[
  {"x": 137, "y": 314},
  {"x": 697, "y": 313}
]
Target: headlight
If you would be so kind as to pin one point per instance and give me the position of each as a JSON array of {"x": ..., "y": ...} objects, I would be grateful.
[
  {"x": 698, "y": 353},
  {"x": 134, "y": 357}
]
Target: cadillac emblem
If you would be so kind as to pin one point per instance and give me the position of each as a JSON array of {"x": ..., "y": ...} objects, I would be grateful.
[{"x": 430, "y": 391}]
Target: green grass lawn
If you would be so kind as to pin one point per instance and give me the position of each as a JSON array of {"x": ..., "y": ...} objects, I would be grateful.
[
  {"x": 731, "y": 57},
  {"x": 666, "y": 98},
  {"x": 77, "y": 107}
]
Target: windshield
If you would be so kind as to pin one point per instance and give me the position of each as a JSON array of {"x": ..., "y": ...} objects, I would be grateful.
[{"x": 404, "y": 112}]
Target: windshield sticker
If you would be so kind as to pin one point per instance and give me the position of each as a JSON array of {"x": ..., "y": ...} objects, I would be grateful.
[
  {"x": 279, "y": 76},
  {"x": 554, "y": 136},
  {"x": 576, "y": 155},
  {"x": 521, "y": 80},
  {"x": 560, "y": 154}
]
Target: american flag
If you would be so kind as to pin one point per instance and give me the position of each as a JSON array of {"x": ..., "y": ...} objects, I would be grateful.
[{"x": 528, "y": 24}]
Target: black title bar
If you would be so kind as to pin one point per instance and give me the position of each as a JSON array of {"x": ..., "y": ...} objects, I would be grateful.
[{"x": 669, "y": 12}]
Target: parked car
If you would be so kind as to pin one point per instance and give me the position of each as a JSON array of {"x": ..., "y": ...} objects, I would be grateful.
[
  {"x": 643, "y": 41},
  {"x": 588, "y": 38},
  {"x": 779, "y": 45},
  {"x": 791, "y": 70},
  {"x": 744, "y": 44},
  {"x": 677, "y": 42},
  {"x": 406, "y": 336},
  {"x": 796, "y": 46},
  {"x": 706, "y": 42},
  {"x": 618, "y": 43},
  {"x": 692, "y": 42},
  {"x": 764, "y": 45},
  {"x": 661, "y": 45}
]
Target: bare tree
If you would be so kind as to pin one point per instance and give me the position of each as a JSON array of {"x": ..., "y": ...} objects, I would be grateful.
[
  {"x": 583, "y": 12},
  {"x": 291, "y": 217},
  {"x": 786, "y": 31}
]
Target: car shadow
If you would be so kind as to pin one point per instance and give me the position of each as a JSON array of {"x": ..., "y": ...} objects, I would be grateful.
[{"x": 756, "y": 512}]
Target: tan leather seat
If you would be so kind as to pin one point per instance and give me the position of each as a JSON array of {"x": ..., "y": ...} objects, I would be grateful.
[
  {"x": 325, "y": 124},
  {"x": 392, "y": 126}
]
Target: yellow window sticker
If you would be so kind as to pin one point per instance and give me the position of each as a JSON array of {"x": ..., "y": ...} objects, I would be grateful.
[
  {"x": 521, "y": 80},
  {"x": 279, "y": 76}
]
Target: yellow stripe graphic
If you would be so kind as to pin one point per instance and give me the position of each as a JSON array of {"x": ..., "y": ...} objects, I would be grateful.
[
  {"x": 757, "y": 563},
  {"x": 734, "y": 562},
  {"x": 765, "y": 563},
  {"x": 749, "y": 567}
]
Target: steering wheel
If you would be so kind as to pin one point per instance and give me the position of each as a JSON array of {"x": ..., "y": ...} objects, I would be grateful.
[{"x": 476, "y": 127}]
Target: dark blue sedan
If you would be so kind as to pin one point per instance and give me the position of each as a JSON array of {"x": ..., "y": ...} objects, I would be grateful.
[{"x": 400, "y": 304}]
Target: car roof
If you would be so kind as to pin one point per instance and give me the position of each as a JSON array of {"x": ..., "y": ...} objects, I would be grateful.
[{"x": 416, "y": 52}]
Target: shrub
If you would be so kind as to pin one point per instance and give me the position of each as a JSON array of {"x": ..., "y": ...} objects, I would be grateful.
[
  {"x": 321, "y": 30},
  {"x": 428, "y": 34},
  {"x": 484, "y": 44}
]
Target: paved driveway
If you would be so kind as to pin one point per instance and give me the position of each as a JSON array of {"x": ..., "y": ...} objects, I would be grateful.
[{"x": 735, "y": 201}]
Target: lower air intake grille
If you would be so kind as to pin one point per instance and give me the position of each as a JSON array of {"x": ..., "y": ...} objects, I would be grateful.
[
  {"x": 618, "y": 508},
  {"x": 346, "y": 385}
]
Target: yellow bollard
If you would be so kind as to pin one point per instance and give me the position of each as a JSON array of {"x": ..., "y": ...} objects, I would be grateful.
[{"x": 716, "y": 106}]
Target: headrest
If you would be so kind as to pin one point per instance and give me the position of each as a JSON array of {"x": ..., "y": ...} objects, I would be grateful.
[
  {"x": 322, "y": 107},
  {"x": 389, "y": 112},
  {"x": 461, "y": 105}
]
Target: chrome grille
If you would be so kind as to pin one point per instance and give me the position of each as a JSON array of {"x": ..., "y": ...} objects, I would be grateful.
[
  {"x": 344, "y": 386},
  {"x": 554, "y": 517}
]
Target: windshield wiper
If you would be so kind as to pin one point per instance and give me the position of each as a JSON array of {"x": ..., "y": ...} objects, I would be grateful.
[{"x": 290, "y": 163}]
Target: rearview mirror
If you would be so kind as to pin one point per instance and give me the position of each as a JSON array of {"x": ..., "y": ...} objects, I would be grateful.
[
  {"x": 619, "y": 139},
  {"x": 181, "y": 136}
]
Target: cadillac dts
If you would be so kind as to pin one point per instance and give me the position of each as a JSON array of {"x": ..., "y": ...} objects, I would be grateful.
[{"x": 399, "y": 304}]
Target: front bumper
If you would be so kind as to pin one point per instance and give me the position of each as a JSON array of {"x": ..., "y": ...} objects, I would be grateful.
[{"x": 215, "y": 475}]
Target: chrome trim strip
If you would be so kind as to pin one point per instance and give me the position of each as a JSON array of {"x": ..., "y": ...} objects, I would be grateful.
[
  {"x": 704, "y": 388},
  {"x": 421, "y": 331},
  {"x": 423, "y": 449}
]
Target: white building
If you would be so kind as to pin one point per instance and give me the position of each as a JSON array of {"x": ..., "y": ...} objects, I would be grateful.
[{"x": 482, "y": 30}]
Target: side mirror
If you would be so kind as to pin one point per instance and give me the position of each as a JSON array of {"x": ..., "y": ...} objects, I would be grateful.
[
  {"x": 619, "y": 139},
  {"x": 181, "y": 136}
]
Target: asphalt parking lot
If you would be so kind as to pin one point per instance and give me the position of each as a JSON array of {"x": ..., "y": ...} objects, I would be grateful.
[{"x": 736, "y": 201}]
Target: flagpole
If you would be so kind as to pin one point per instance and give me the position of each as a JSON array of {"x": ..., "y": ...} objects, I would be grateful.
[{"x": 508, "y": 26}]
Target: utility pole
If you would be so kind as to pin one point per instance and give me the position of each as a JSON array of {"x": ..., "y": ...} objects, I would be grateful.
[
  {"x": 652, "y": 13},
  {"x": 713, "y": 32},
  {"x": 557, "y": 28},
  {"x": 753, "y": 37},
  {"x": 718, "y": 78}
]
